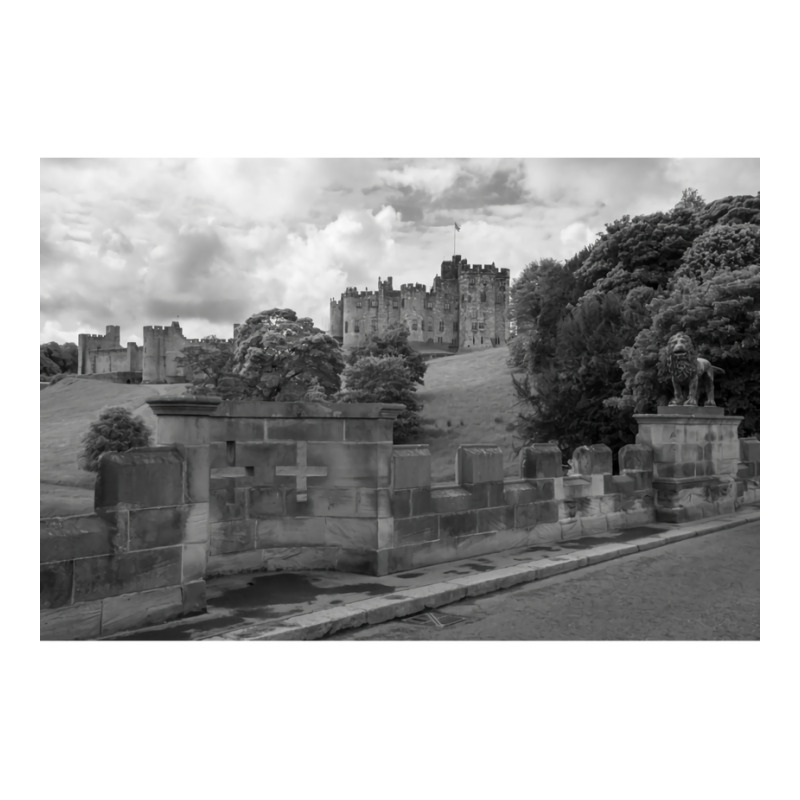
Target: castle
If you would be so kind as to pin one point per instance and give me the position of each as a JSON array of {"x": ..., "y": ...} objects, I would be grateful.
[
  {"x": 156, "y": 361},
  {"x": 466, "y": 309}
]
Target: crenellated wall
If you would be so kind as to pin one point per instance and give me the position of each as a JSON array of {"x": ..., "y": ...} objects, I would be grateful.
[
  {"x": 254, "y": 486},
  {"x": 101, "y": 354},
  {"x": 466, "y": 308}
]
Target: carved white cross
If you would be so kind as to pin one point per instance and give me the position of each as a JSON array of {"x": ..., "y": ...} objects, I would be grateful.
[{"x": 302, "y": 472}]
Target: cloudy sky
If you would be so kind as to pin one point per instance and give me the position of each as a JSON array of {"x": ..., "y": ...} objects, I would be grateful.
[{"x": 135, "y": 242}]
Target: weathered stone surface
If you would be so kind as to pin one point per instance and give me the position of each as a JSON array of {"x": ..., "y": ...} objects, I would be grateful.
[
  {"x": 105, "y": 576},
  {"x": 156, "y": 527},
  {"x": 606, "y": 552},
  {"x": 594, "y": 525},
  {"x": 194, "y": 597},
  {"x": 576, "y": 486},
  {"x": 458, "y": 524},
  {"x": 528, "y": 491},
  {"x": 290, "y": 531},
  {"x": 411, "y": 466},
  {"x": 495, "y": 519},
  {"x": 62, "y": 538},
  {"x": 635, "y": 457},
  {"x": 362, "y": 430},
  {"x": 140, "y": 609},
  {"x": 81, "y": 621},
  {"x": 231, "y": 563},
  {"x": 335, "y": 501},
  {"x": 308, "y": 410},
  {"x": 181, "y": 429},
  {"x": 232, "y": 536},
  {"x": 540, "y": 461},
  {"x": 571, "y": 529},
  {"x": 197, "y": 473},
  {"x": 485, "y": 495},
  {"x": 55, "y": 584},
  {"x": 750, "y": 449},
  {"x": 193, "y": 566},
  {"x": 196, "y": 527},
  {"x": 290, "y": 558},
  {"x": 596, "y": 459},
  {"x": 417, "y": 529},
  {"x": 352, "y": 533},
  {"x": 141, "y": 478},
  {"x": 450, "y": 498},
  {"x": 311, "y": 430},
  {"x": 479, "y": 463},
  {"x": 226, "y": 429}
]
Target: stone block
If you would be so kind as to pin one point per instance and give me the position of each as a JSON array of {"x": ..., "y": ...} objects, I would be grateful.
[
  {"x": 140, "y": 609},
  {"x": 616, "y": 520},
  {"x": 193, "y": 567},
  {"x": 197, "y": 474},
  {"x": 194, "y": 597},
  {"x": 479, "y": 463},
  {"x": 351, "y": 534},
  {"x": 749, "y": 449},
  {"x": 55, "y": 584},
  {"x": 594, "y": 525},
  {"x": 295, "y": 558},
  {"x": 140, "y": 478},
  {"x": 182, "y": 429},
  {"x": 231, "y": 563},
  {"x": 224, "y": 503},
  {"x": 547, "y": 567},
  {"x": 485, "y": 495},
  {"x": 401, "y": 503},
  {"x": 596, "y": 459},
  {"x": 347, "y": 464},
  {"x": 156, "y": 527},
  {"x": 64, "y": 538},
  {"x": 291, "y": 532},
  {"x": 81, "y": 621},
  {"x": 265, "y": 458},
  {"x": 362, "y": 562},
  {"x": 458, "y": 524},
  {"x": 417, "y": 529},
  {"x": 265, "y": 501},
  {"x": 309, "y": 430},
  {"x": 576, "y": 486},
  {"x": 385, "y": 533},
  {"x": 411, "y": 466},
  {"x": 449, "y": 499},
  {"x": 635, "y": 457},
  {"x": 567, "y": 509},
  {"x": 232, "y": 536},
  {"x": 544, "y": 533},
  {"x": 607, "y": 552},
  {"x": 540, "y": 461},
  {"x": 368, "y": 430},
  {"x": 526, "y": 515},
  {"x": 227, "y": 429},
  {"x": 529, "y": 491},
  {"x": 609, "y": 504},
  {"x": 105, "y": 576},
  {"x": 495, "y": 519},
  {"x": 335, "y": 501}
]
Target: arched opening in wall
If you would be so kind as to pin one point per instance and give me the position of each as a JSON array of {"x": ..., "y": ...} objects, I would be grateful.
[{"x": 128, "y": 381}]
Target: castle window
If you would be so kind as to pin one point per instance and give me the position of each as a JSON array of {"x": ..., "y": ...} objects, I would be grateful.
[
  {"x": 430, "y": 326},
  {"x": 373, "y": 303},
  {"x": 474, "y": 326},
  {"x": 463, "y": 298},
  {"x": 455, "y": 327},
  {"x": 374, "y": 325},
  {"x": 441, "y": 328},
  {"x": 356, "y": 328},
  {"x": 403, "y": 302},
  {"x": 481, "y": 325},
  {"x": 471, "y": 283},
  {"x": 429, "y": 304},
  {"x": 414, "y": 325},
  {"x": 345, "y": 326},
  {"x": 439, "y": 339},
  {"x": 447, "y": 306},
  {"x": 483, "y": 296},
  {"x": 395, "y": 304}
]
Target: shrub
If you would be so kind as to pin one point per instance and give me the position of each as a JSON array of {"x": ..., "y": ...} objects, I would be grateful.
[{"x": 115, "y": 431}]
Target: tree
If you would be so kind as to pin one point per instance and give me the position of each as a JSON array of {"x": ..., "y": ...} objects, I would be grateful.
[
  {"x": 115, "y": 431},
  {"x": 277, "y": 356},
  {"x": 209, "y": 366},
  {"x": 392, "y": 342},
  {"x": 385, "y": 380},
  {"x": 56, "y": 358}
]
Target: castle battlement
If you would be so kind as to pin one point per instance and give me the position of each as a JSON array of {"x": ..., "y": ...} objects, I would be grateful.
[{"x": 451, "y": 314}]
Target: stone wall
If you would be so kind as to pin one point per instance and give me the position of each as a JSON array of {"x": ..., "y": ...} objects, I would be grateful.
[
  {"x": 254, "y": 486},
  {"x": 103, "y": 353},
  {"x": 139, "y": 560}
]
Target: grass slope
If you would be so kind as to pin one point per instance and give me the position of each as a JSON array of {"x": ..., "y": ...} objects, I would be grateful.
[
  {"x": 66, "y": 409},
  {"x": 468, "y": 399}
]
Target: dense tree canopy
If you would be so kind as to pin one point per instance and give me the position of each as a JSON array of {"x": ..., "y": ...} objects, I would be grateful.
[
  {"x": 55, "y": 358},
  {"x": 392, "y": 342},
  {"x": 592, "y": 331}
]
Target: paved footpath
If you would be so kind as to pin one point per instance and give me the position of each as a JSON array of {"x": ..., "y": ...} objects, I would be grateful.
[{"x": 314, "y": 605}]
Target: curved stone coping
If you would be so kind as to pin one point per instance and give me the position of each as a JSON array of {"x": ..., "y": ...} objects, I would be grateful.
[
  {"x": 262, "y": 409},
  {"x": 684, "y": 414},
  {"x": 184, "y": 404}
]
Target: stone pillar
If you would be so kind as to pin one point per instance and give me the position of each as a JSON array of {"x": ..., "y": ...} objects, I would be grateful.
[{"x": 695, "y": 460}]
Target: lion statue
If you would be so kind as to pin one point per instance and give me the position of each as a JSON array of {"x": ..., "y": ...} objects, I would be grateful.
[{"x": 690, "y": 375}]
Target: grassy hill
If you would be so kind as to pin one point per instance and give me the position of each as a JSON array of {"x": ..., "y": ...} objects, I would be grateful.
[{"x": 468, "y": 399}]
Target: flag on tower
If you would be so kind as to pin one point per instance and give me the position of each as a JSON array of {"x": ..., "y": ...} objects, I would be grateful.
[{"x": 456, "y": 224}]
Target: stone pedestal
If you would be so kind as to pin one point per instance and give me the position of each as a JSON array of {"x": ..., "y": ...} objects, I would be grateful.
[{"x": 695, "y": 460}]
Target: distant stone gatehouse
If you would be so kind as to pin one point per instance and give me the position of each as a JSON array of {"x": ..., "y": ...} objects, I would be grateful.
[{"x": 466, "y": 309}]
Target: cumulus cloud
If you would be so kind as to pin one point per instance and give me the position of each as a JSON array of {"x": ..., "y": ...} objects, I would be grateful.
[{"x": 134, "y": 242}]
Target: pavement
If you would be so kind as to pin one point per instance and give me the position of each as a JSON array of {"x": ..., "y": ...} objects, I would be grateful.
[{"x": 312, "y": 604}]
